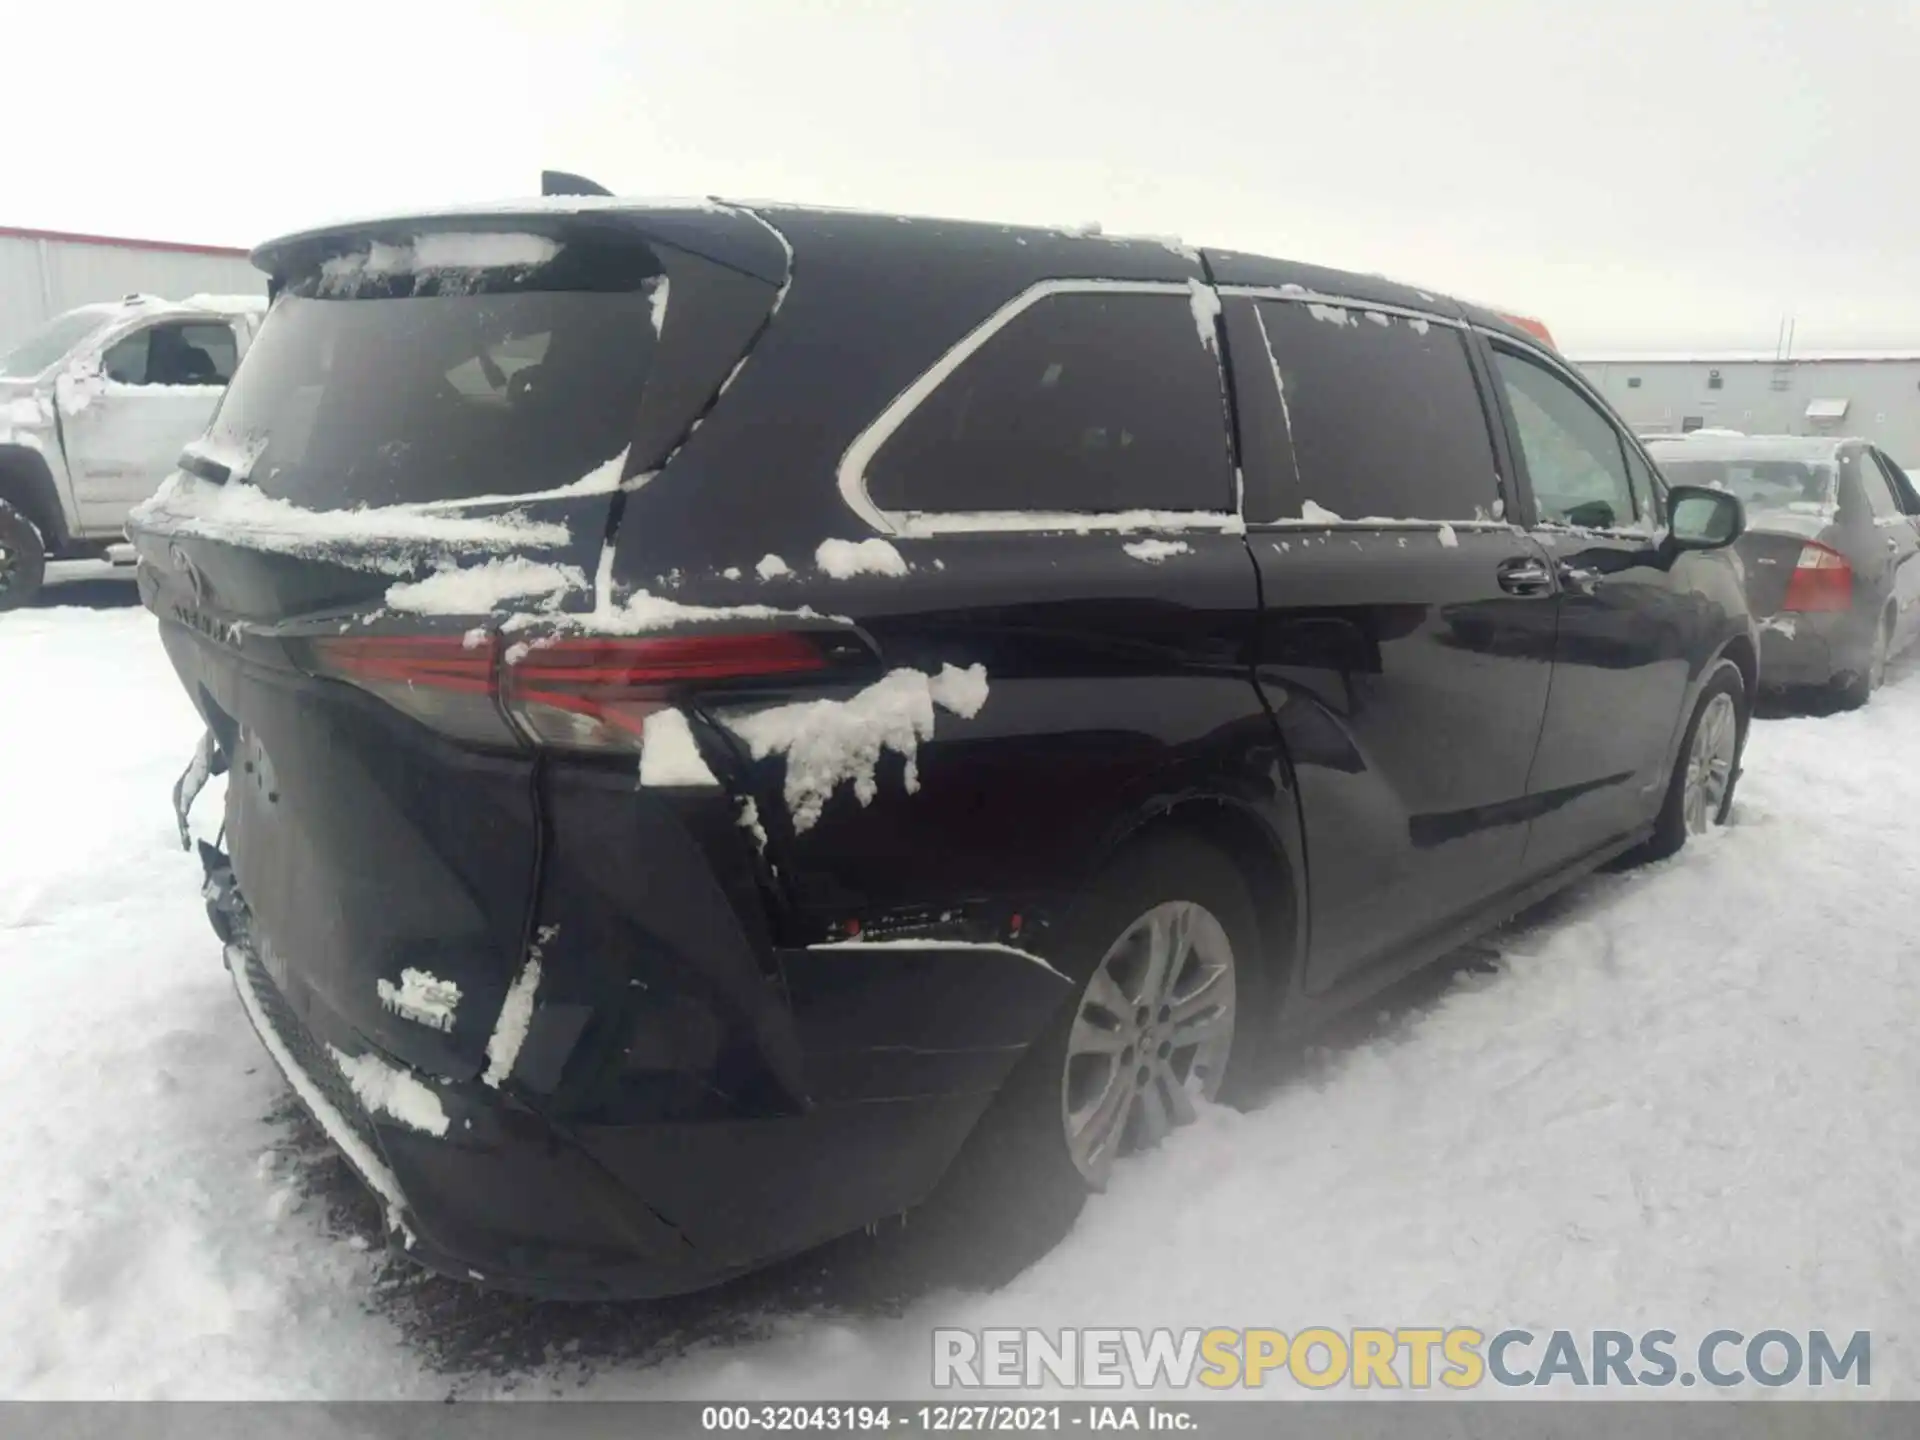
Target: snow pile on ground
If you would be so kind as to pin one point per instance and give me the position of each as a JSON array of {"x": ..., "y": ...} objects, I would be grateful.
[
  {"x": 828, "y": 742},
  {"x": 155, "y": 1239},
  {"x": 1685, "y": 1099}
]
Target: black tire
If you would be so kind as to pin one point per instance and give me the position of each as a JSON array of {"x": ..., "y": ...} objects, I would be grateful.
[
  {"x": 1852, "y": 691},
  {"x": 1014, "y": 1191},
  {"x": 23, "y": 559},
  {"x": 1670, "y": 828}
]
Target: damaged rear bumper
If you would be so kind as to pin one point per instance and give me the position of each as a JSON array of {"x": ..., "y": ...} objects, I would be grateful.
[
  {"x": 505, "y": 1198},
  {"x": 638, "y": 1170},
  {"x": 478, "y": 1186},
  {"x": 496, "y": 1198}
]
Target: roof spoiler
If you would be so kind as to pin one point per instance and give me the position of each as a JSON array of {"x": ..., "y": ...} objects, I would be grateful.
[{"x": 559, "y": 182}]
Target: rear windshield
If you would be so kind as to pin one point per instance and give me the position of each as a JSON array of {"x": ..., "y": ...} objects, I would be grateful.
[
  {"x": 1797, "y": 486},
  {"x": 52, "y": 341},
  {"x": 378, "y": 381}
]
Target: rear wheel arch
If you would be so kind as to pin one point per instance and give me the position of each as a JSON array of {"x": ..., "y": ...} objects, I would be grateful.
[
  {"x": 1273, "y": 878},
  {"x": 1738, "y": 652},
  {"x": 1669, "y": 832},
  {"x": 1741, "y": 652},
  {"x": 26, "y": 483}
]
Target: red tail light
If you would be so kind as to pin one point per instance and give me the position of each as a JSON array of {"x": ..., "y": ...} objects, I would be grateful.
[
  {"x": 597, "y": 694},
  {"x": 440, "y": 680},
  {"x": 1823, "y": 580},
  {"x": 576, "y": 694}
]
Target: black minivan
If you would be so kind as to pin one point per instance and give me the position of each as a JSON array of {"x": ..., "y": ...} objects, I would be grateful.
[{"x": 732, "y": 713}]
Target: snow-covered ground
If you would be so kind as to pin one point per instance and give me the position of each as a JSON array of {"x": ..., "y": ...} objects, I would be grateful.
[{"x": 1684, "y": 1098}]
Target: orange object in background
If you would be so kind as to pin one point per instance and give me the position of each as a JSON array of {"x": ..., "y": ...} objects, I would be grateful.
[{"x": 1533, "y": 327}]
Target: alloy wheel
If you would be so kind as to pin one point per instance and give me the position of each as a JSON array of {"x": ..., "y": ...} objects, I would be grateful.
[
  {"x": 1710, "y": 763},
  {"x": 1151, "y": 1036}
]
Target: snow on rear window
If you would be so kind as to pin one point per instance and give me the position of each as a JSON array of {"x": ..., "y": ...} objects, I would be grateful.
[{"x": 390, "y": 539}]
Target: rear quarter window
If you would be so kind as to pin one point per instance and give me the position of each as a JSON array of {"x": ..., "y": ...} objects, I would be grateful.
[
  {"x": 1385, "y": 416},
  {"x": 1083, "y": 403}
]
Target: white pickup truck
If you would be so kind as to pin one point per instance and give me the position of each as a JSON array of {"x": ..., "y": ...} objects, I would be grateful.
[{"x": 95, "y": 407}]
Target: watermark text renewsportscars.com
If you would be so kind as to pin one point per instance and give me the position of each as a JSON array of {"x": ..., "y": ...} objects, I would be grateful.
[{"x": 1396, "y": 1358}]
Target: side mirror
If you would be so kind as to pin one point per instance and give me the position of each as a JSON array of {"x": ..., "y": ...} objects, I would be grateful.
[{"x": 1703, "y": 519}]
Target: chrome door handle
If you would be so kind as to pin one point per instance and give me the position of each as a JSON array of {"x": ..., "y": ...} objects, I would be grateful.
[
  {"x": 1525, "y": 577},
  {"x": 1580, "y": 581}
]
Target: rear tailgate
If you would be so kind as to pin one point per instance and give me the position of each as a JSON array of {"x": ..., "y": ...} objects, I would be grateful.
[
  {"x": 381, "y": 863},
  {"x": 437, "y": 422}
]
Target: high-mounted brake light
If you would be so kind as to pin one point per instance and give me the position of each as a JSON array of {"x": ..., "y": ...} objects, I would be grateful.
[
  {"x": 1822, "y": 580},
  {"x": 575, "y": 694}
]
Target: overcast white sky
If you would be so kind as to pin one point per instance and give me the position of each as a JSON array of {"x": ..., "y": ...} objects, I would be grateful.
[{"x": 1638, "y": 172}]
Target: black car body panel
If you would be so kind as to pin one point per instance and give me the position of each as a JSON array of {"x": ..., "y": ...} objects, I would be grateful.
[
  {"x": 874, "y": 302},
  {"x": 1397, "y": 726}
]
